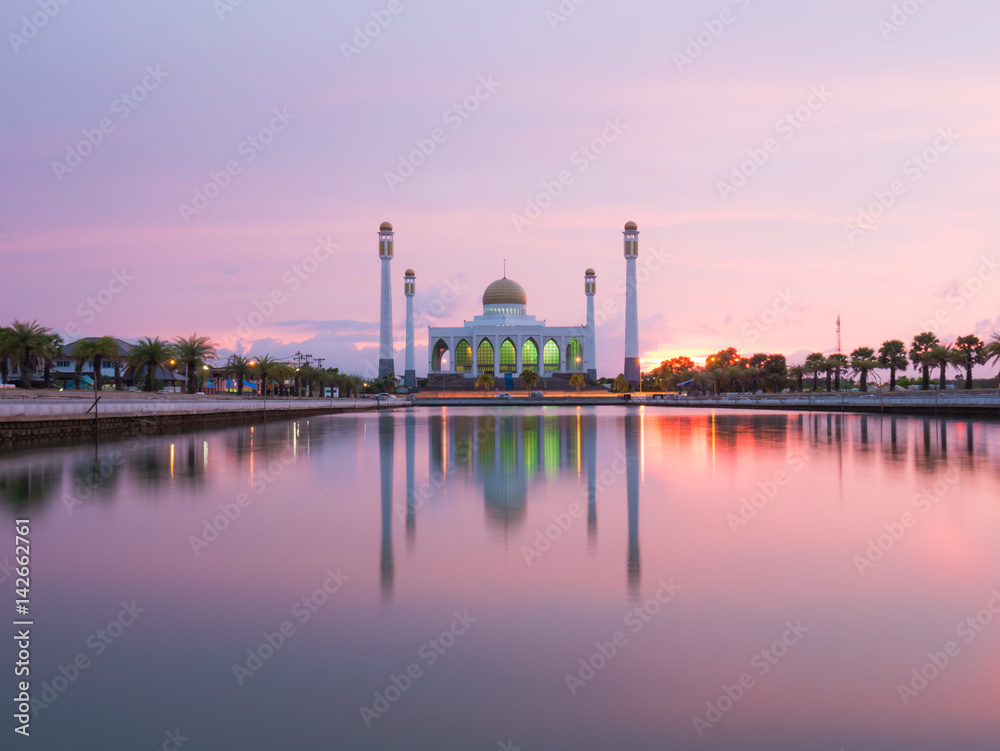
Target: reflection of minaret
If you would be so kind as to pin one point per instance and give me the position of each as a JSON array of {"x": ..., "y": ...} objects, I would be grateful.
[
  {"x": 411, "y": 506},
  {"x": 633, "y": 452},
  {"x": 386, "y": 436},
  {"x": 631, "y": 305},
  {"x": 590, "y": 346},
  {"x": 409, "y": 289},
  {"x": 385, "y": 360},
  {"x": 590, "y": 457}
]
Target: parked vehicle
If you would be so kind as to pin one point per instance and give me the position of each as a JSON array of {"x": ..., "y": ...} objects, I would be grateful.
[
  {"x": 504, "y": 396},
  {"x": 384, "y": 396}
]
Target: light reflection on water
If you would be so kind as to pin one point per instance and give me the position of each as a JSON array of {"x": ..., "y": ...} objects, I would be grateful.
[{"x": 548, "y": 525}]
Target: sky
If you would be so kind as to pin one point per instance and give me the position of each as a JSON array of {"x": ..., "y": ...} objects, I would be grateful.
[{"x": 222, "y": 167}]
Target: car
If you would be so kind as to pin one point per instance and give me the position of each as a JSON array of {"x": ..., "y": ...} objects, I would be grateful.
[
  {"x": 536, "y": 393},
  {"x": 384, "y": 396},
  {"x": 504, "y": 396}
]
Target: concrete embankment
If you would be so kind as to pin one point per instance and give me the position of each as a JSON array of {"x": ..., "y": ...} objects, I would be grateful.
[
  {"x": 50, "y": 418},
  {"x": 941, "y": 404}
]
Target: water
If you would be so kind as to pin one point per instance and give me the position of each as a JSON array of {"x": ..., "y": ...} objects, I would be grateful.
[{"x": 720, "y": 573}]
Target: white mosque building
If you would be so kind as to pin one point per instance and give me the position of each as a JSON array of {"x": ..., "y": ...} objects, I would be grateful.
[{"x": 505, "y": 341}]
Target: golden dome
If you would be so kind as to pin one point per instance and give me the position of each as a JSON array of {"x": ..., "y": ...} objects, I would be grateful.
[
  {"x": 631, "y": 225},
  {"x": 505, "y": 292},
  {"x": 590, "y": 272},
  {"x": 410, "y": 272},
  {"x": 385, "y": 227}
]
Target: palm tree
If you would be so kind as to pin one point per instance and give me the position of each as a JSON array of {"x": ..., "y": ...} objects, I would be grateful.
[
  {"x": 22, "y": 343},
  {"x": 4, "y": 353},
  {"x": 90, "y": 351},
  {"x": 193, "y": 352},
  {"x": 577, "y": 381},
  {"x": 922, "y": 345},
  {"x": 837, "y": 362},
  {"x": 797, "y": 372},
  {"x": 991, "y": 351},
  {"x": 940, "y": 356},
  {"x": 105, "y": 348},
  {"x": 815, "y": 364},
  {"x": 267, "y": 369},
  {"x": 705, "y": 380},
  {"x": 969, "y": 352},
  {"x": 892, "y": 357},
  {"x": 485, "y": 381},
  {"x": 530, "y": 379},
  {"x": 239, "y": 368},
  {"x": 51, "y": 350},
  {"x": 621, "y": 384},
  {"x": 151, "y": 354},
  {"x": 862, "y": 361}
]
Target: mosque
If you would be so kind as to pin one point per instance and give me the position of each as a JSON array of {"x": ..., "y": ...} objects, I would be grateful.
[{"x": 505, "y": 340}]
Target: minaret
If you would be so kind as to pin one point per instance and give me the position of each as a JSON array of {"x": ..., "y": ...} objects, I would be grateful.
[
  {"x": 632, "y": 372},
  {"x": 590, "y": 347},
  {"x": 386, "y": 365},
  {"x": 409, "y": 289}
]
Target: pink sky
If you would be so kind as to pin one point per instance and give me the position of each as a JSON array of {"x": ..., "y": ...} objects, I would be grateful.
[{"x": 683, "y": 129}]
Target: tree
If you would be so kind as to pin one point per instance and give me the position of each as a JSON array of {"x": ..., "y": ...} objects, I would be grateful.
[
  {"x": 969, "y": 351},
  {"x": 152, "y": 354},
  {"x": 51, "y": 350},
  {"x": 578, "y": 381},
  {"x": 919, "y": 350},
  {"x": 837, "y": 362},
  {"x": 93, "y": 351},
  {"x": 797, "y": 372},
  {"x": 815, "y": 364},
  {"x": 239, "y": 368},
  {"x": 530, "y": 379},
  {"x": 892, "y": 357},
  {"x": 621, "y": 384},
  {"x": 722, "y": 359},
  {"x": 22, "y": 343},
  {"x": 4, "y": 353},
  {"x": 485, "y": 381},
  {"x": 193, "y": 353},
  {"x": 862, "y": 362},
  {"x": 941, "y": 356},
  {"x": 705, "y": 380},
  {"x": 991, "y": 351},
  {"x": 267, "y": 369}
]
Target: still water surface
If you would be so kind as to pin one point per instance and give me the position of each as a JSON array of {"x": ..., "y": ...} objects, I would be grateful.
[{"x": 542, "y": 578}]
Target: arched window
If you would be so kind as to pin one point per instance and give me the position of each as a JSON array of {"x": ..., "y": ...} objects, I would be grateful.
[
  {"x": 440, "y": 352},
  {"x": 574, "y": 355},
  {"x": 484, "y": 356},
  {"x": 508, "y": 357},
  {"x": 463, "y": 357},
  {"x": 551, "y": 355},
  {"x": 529, "y": 356}
]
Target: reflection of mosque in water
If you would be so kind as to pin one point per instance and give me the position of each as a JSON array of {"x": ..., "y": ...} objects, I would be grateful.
[{"x": 507, "y": 453}]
